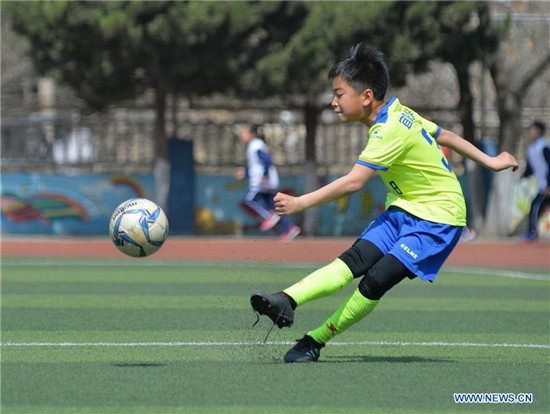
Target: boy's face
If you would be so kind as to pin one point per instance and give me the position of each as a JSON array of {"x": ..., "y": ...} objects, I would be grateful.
[
  {"x": 246, "y": 135},
  {"x": 348, "y": 105},
  {"x": 534, "y": 133}
]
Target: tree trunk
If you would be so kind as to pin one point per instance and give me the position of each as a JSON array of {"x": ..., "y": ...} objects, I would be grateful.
[
  {"x": 509, "y": 103},
  {"x": 161, "y": 169},
  {"x": 161, "y": 150},
  {"x": 311, "y": 216},
  {"x": 500, "y": 202},
  {"x": 465, "y": 105},
  {"x": 473, "y": 170}
]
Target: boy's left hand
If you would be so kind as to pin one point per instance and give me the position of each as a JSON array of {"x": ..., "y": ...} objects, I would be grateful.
[
  {"x": 286, "y": 204},
  {"x": 503, "y": 161}
]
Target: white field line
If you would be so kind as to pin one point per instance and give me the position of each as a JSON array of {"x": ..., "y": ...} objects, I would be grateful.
[
  {"x": 237, "y": 344},
  {"x": 490, "y": 271},
  {"x": 483, "y": 271}
]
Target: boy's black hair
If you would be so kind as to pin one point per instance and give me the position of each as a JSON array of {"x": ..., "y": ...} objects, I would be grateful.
[
  {"x": 540, "y": 126},
  {"x": 256, "y": 130},
  {"x": 364, "y": 68}
]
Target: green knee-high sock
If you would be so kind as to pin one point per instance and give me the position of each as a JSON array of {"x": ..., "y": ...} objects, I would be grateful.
[
  {"x": 323, "y": 282},
  {"x": 355, "y": 308}
]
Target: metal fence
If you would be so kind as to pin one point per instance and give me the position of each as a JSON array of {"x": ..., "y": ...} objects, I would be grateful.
[
  {"x": 60, "y": 143},
  {"x": 114, "y": 145}
]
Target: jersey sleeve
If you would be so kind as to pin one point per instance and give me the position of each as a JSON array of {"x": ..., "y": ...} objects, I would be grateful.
[
  {"x": 431, "y": 127},
  {"x": 265, "y": 159},
  {"x": 383, "y": 148}
]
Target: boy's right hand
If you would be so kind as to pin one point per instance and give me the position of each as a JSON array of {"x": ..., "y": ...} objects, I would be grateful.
[{"x": 286, "y": 204}]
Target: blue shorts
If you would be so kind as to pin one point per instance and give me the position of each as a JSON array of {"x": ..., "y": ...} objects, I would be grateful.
[{"x": 422, "y": 246}]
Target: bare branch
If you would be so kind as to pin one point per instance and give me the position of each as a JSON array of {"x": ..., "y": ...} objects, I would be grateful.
[{"x": 534, "y": 73}]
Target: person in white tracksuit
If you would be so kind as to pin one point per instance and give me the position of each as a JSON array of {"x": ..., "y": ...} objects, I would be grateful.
[
  {"x": 538, "y": 164},
  {"x": 263, "y": 183}
]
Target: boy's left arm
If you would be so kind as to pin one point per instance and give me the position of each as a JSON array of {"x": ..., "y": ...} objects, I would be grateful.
[
  {"x": 351, "y": 182},
  {"x": 501, "y": 162},
  {"x": 265, "y": 158}
]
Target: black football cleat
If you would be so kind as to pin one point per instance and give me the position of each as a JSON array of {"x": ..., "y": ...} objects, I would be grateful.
[
  {"x": 277, "y": 307},
  {"x": 306, "y": 349}
]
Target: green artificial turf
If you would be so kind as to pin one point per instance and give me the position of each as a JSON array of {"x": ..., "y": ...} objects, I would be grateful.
[{"x": 146, "y": 336}]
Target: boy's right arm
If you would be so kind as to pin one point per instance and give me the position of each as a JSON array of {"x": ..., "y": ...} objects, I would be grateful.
[
  {"x": 286, "y": 204},
  {"x": 502, "y": 161}
]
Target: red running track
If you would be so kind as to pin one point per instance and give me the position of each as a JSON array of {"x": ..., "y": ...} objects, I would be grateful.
[{"x": 500, "y": 254}]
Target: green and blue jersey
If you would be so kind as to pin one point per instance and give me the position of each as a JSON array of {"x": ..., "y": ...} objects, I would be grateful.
[{"x": 402, "y": 147}]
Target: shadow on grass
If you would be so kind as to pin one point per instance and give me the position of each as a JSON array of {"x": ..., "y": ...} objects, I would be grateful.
[
  {"x": 371, "y": 359},
  {"x": 361, "y": 359},
  {"x": 138, "y": 365}
]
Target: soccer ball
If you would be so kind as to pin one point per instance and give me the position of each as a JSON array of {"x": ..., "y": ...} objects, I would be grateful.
[{"x": 138, "y": 227}]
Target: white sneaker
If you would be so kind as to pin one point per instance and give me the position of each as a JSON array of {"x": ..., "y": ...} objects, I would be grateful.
[
  {"x": 290, "y": 234},
  {"x": 270, "y": 222}
]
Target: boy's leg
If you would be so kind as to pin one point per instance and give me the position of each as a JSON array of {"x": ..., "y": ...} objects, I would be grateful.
[
  {"x": 332, "y": 278},
  {"x": 325, "y": 281},
  {"x": 279, "y": 307},
  {"x": 264, "y": 206},
  {"x": 385, "y": 274},
  {"x": 257, "y": 202},
  {"x": 272, "y": 218},
  {"x": 533, "y": 216}
]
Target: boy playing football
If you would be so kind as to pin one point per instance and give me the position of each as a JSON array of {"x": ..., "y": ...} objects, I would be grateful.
[{"x": 425, "y": 209}]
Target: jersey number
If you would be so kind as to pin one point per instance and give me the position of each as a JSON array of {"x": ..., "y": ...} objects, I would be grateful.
[
  {"x": 395, "y": 187},
  {"x": 429, "y": 138}
]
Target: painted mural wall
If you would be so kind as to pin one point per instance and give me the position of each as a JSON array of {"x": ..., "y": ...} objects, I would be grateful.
[
  {"x": 81, "y": 205},
  {"x": 66, "y": 205}
]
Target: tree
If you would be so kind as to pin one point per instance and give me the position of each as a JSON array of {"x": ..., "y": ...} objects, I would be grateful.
[
  {"x": 512, "y": 83},
  {"x": 112, "y": 51}
]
